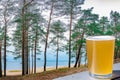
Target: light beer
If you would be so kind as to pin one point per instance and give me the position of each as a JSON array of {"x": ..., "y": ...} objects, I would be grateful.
[{"x": 100, "y": 53}]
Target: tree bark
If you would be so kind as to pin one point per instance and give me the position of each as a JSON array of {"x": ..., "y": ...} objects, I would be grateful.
[
  {"x": 77, "y": 46},
  {"x": 79, "y": 50},
  {"x": 26, "y": 50},
  {"x": 47, "y": 35},
  {"x": 5, "y": 51},
  {"x": 86, "y": 60},
  {"x": 23, "y": 66},
  {"x": 57, "y": 53},
  {"x": 32, "y": 57},
  {"x": 5, "y": 35},
  {"x": 0, "y": 58},
  {"x": 70, "y": 31},
  {"x": 115, "y": 24},
  {"x": 79, "y": 61},
  {"x": 24, "y": 41},
  {"x": 116, "y": 52},
  {"x": 29, "y": 63},
  {"x": 78, "y": 55},
  {"x": 35, "y": 53},
  {"x": 23, "y": 38}
]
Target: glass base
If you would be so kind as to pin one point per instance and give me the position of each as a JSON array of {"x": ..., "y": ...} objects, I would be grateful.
[{"x": 107, "y": 76}]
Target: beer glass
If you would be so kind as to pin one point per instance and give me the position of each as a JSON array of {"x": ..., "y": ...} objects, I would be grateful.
[{"x": 100, "y": 53}]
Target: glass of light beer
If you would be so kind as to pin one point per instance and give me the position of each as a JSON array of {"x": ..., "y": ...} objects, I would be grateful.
[{"x": 100, "y": 54}]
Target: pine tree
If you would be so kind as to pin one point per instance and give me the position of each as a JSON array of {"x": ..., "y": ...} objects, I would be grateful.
[
  {"x": 57, "y": 29},
  {"x": 71, "y": 6},
  {"x": 6, "y": 12},
  {"x": 81, "y": 29},
  {"x": 47, "y": 33},
  {"x": 115, "y": 20},
  {"x": 29, "y": 24}
]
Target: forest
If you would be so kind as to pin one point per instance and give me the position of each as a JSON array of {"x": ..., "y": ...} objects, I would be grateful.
[{"x": 28, "y": 25}]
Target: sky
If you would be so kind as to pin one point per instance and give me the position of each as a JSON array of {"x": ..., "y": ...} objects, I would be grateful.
[{"x": 102, "y": 7}]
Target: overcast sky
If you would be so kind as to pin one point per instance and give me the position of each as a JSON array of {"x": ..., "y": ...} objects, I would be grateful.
[{"x": 102, "y": 7}]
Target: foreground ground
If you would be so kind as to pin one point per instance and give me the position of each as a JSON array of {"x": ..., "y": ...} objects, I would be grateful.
[{"x": 48, "y": 75}]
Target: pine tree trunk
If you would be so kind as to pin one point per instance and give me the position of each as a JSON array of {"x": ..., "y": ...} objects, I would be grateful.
[
  {"x": 57, "y": 53},
  {"x": 0, "y": 58},
  {"x": 5, "y": 34},
  {"x": 78, "y": 55},
  {"x": 26, "y": 27},
  {"x": 25, "y": 55},
  {"x": 35, "y": 52},
  {"x": 25, "y": 63},
  {"x": 70, "y": 31},
  {"x": 47, "y": 35},
  {"x": 35, "y": 60},
  {"x": 79, "y": 50},
  {"x": 23, "y": 66},
  {"x": 86, "y": 60},
  {"x": 57, "y": 60},
  {"x": 116, "y": 47},
  {"x": 79, "y": 61},
  {"x": 76, "y": 52},
  {"x": 26, "y": 51},
  {"x": 23, "y": 38},
  {"x": 116, "y": 52},
  {"x": 5, "y": 48},
  {"x": 24, "y": 42},
  {"x": 29, "y": 63},
  {"x": 32, "y": 58}
]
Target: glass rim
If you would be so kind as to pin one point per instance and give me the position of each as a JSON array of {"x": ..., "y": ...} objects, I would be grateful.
[{"x": 101, "y": 37}]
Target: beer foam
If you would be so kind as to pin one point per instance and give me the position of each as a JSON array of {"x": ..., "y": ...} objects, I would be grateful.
[{"x": 100, "y": 38}]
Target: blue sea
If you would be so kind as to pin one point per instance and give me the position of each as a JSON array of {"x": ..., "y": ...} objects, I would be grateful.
[{"x": 13, "y": 64}]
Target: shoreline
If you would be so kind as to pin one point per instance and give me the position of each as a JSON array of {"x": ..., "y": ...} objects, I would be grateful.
[{"x": 38, "y": 70}]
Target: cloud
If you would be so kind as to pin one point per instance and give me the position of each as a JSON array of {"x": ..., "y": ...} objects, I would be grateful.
[{"x": 102, "y": 7}]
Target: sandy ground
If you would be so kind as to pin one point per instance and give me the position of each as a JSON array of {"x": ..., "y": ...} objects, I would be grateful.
[{"x": 19, "y": 72}]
